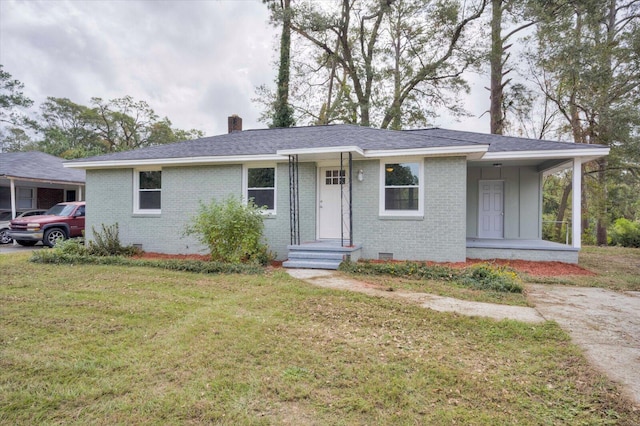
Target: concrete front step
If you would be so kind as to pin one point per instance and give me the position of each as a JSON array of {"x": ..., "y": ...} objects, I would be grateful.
[
  {"x": 320, "y": 255},
  {"x": 312, "y": 264},
  {"x": 312, "y": 255}
]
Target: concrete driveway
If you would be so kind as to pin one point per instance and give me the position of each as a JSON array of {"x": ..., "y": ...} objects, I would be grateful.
[
  {"x": 17, "y": 248},
  {"x": 606, "y": 324}
]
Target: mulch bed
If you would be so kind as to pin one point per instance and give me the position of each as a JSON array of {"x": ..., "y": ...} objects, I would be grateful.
[{"x": 545, "y": 269}]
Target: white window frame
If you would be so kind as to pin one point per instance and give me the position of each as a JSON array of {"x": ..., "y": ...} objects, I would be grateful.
[
  {"x": 421, "y": 194},
  {"x": 136, "y": 192},
  {"x": 245, "y": 184},
  {"x": 30, "y": 199}
]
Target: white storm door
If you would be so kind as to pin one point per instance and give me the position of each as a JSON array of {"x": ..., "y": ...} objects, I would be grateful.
[
  {"x": 491, "y": 209},
  {"x": 329, "y": 195}
]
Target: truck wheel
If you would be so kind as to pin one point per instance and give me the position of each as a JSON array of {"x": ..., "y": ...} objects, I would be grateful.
[
  {"x": 4, "y": 236},
  {"x": 53, "y": 235},
  {"x": 26, "y": 243}
]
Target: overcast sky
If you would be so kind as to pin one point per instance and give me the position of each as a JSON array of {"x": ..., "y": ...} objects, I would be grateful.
[{"x": 194, "y": 61}]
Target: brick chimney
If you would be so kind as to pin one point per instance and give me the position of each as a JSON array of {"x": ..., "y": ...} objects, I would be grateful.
[{"x": 235, "y": 124}]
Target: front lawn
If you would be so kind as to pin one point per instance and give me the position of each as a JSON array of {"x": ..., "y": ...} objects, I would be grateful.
[
  {"x": 616, "y": 268},
  {"x": 96, "y": 344}
]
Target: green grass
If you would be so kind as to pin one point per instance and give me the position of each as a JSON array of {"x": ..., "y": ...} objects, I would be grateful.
[
  {"x": 444, "y": 288},
  {"x": 616, "y": 268},
  {"x": 96, "y": 344}
]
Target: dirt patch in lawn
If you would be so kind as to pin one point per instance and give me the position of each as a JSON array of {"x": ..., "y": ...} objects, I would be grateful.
[{"x": 537, "y": 268}]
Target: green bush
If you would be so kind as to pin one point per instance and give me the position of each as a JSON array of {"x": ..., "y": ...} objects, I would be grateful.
[
  {"x": 58, "y": 258},
  {"x": 72, "y": 246},
  {"x": 481, "y": 276},
  {"x": 402, "y": 269},
  {"x": 231, "y": 230},
  {"x": 491, "y": 277},
  {"x": 625, "y": 233},
  {"x": 107, "y": 243}
]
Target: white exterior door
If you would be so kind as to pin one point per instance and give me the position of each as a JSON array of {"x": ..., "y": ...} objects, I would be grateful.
[
  {"x": 329, "y": 195},
  {"x": 491, "y": 209}
]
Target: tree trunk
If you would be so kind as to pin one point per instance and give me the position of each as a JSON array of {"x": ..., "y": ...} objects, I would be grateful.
[
  {"x": 496, "y": 62},
  {"x": 283, "y": 114}
]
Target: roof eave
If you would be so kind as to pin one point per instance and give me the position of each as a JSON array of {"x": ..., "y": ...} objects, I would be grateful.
[
  {"x": 585, "y": 154},
  {"x": 471, "y": 151},
  {"x": 181, "y": 161},
  {"x": 51, "y": 181}
]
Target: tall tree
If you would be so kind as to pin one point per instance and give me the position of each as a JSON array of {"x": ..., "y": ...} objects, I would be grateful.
[
  {"x": 68, "y": 129},
  {"x": 282, "y": 110},
  {"x": 386, "y": 62},
  {"x": 71, "y": 130},
  {"x": 589, "y": 54},
  {"x": 13, "y": 121}
]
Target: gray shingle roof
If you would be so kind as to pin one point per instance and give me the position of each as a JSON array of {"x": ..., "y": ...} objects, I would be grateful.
[
  {"x": 270, "y": 141},
  {"x": 38, "y": 166},
  {"x": 499, "y": 143}
]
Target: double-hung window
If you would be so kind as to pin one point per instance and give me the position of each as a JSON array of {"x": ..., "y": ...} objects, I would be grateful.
[
  {"x": 25, "y": 198},
  {"x": 147, "y": 191},
  {"x": 261, "y": 187},
  {"x": 401, "y": 189}
]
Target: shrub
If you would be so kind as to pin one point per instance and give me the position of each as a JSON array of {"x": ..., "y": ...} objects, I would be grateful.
[
  {"x": 491, "y": 277},
  {"x": 404, "y": 269},
  {"x": 107, "y": 243},
  {"x": 51, "y": 257},
  {"x": 481, "y": 276},
  {"x": 73, "y": 246},
  {"x": 231, "y": 230},
  {"x": 625, "y": 233}
]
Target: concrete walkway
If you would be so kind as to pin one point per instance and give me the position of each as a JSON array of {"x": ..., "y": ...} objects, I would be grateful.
[
  {"x": 331, "y": 279},
  {"x": 606, "y": 324}
]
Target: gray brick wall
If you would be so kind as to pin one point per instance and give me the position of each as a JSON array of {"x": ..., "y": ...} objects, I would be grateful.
[
  {"x": 110, "y": 200},
  {"x": 438, "y": 236},
  {"x": 566, "y": 256},
  {"x": 277, "y": 229}
]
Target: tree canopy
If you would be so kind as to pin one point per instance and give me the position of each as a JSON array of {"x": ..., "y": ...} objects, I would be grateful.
[{"x": 69, "y": 130}]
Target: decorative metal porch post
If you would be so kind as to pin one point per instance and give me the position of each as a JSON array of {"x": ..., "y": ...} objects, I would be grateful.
[
  {"x": 294, "y": 203},
  {"x": 342, "y": 199}
]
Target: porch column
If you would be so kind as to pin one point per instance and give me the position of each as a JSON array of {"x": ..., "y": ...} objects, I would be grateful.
[
  {"x": 13, "y": 198},
  {"x": 576, "y": 210},
  {"x": 79, "y": 193}
]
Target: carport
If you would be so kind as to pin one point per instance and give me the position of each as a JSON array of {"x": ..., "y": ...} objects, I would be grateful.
[{"x": 35, "y": 180}]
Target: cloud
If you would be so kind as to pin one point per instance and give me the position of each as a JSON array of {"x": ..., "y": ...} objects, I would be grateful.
[{"x": 195, "y": 62}]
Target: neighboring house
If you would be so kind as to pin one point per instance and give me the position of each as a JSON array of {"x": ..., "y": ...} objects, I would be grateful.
[
  {"x": 35, "y": 180},
  {"x": 344, "y": 190}
]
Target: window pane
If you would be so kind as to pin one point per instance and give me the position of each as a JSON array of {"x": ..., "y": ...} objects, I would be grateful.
[
  {"x": 150, "y": 200},
  {"x": 401, "y": 174},
  {"x": 261, "y": 178},
  {"x": 150, "y": 180},
  {"x": 401, "y": 198},
  {"x": 5, "y": 197},
  {"x": 263, "y": 198}
]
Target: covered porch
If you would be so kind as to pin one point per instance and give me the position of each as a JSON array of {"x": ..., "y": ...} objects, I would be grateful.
[{"x": 531, "y": 249}]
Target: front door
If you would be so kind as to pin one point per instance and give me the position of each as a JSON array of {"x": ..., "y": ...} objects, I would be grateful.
[
  {"x": 491, "y": 210},
  {"x": 330, "y": 214}
]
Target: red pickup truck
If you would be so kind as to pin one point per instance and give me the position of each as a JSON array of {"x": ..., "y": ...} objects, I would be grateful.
[{"x": 62, "y": 221}]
